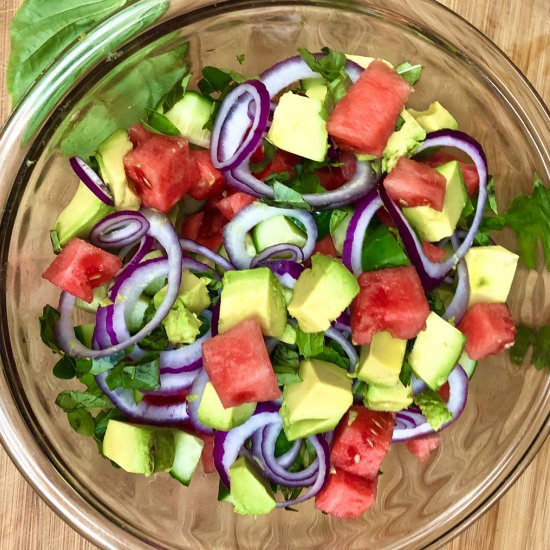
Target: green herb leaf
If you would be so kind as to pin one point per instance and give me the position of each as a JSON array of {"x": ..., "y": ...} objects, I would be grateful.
[
  {"x": 538, "y": 339},
  {"x": 330, "y": 65},
  {"x": 82, "y": 422},
  {"x": 310, "y": 344},
  {"x": 143, "y": 374},
  {"x": 285, "y": 356},
  {"x": 159, "y": 124},
  {"x": 41, "y": 30},
  {"x": 435, "y": 303},
  {"x": 406, "y": 374},
  {"x": 411, "y": 73},
  {"x": 331, "y": 355},
  {"x": 269, "y": 151},
  {"x": 65, "y": 368},
  {"x": 491, "y": 197},
  {"x": 101, "y": 421},
  {"x": 286, "y": 375},
  {"x": 529, "y": 217},
  {"x": 286, "y": 197},
  {"x": 322, "y": 220},
  {"x": 381, "y": 249},
  {"x": 71, "y": 400},
  {"x": 217, "y": 81},
  {"x": 240, "y": 58},
  {"x": 47, "y": 320},
  {"x": 433, "y": 408}
]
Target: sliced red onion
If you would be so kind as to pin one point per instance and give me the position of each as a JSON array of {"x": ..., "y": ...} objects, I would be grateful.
[
  {"x": 286, "y": 271},
  {"x": 187, "y": 245},
  {"x": 346, "y": 345},
  {"x": 197, "y": 391},
  {"x": 215, "y": 318},
  {"x": 228, "y": 445},
  {"x": 433, "y": 273},
  {"x": 418, "y": 385},
  {"x": 285, "y": 73},
  {"x": 286, "y": 460},
  {"x": 343, "y": 323},
  {"x": 91, "y": 180},
  {"x": 234, "y": 138},
  {"x": 163, "y": 231},
  {"x": 263, "y": 448},
  {"x": 352, "y": 252},
  {"x": 459, "y": 304},
  {"x": 458, "y": 395},
  {"x": 357, "y": 187},
  {"x": 123, "y": 228},
  {"x": 321, "y": 447},
  {"x": 235, "y": 231},
  {"x": 284, "y": 249}
]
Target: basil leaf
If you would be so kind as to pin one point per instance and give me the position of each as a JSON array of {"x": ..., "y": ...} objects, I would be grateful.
[
  {"x": 101, "y": 421},
  {"x": 288, "y": 198},
  {"x": 47, "y": 320},
  {"x": 411, "y": 73},
  {"x": 491, "y": 197},
  {"x": 285, "y": 356},
  {"x": 159, "y": 124},
  {"x": 65, "y": 368},
  {"x": 381, "y": 250},
  {"x": 41, "y": 30},
  {"x": 82, "y": 422},
  {"x": 71, "y": 400},
  {"x": 286, "y": 375},
  {"x": 143, "y": 374},
  {"x": 310, "y": 344}
]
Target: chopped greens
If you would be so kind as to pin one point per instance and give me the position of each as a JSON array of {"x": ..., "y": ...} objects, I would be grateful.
[
  {"x": 159, "y": 124},
  {"x": 536, "y": 338},
  {"x": 48, "y": 319},
  {"x": 411, "y": 73}
]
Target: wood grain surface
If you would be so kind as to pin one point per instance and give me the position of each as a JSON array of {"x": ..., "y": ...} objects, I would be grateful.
[{"x": 521, "y": 520}]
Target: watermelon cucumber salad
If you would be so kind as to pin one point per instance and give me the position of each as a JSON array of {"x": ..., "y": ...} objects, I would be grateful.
[{"x": 283, "y": 275}]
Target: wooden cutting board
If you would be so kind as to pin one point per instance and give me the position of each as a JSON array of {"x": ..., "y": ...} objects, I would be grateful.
[{"x": 521, "y": 520}]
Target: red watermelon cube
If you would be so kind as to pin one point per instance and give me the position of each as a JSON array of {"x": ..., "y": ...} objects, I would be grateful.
[
  {"x": 207, "y": 454},
  {"x": 361, "y": 441},
  {"x": 238, "y": 365},
  {"x": 411, "y": 183},
  {"x": 346, "y": 496},
  {"x": 230, "y": 206},
  {"x": 433, "y": 252},
  {"x": 489, "y": 329},
  {"x": 422, "y": 447},
  {"x": 365, "y": 117},
  {"x": 80, "y": 267},
  {"x": 389, "y": 299},
  {"x": 162, "y": 170},
  {"x": 138, "y": 134},
  {"x": 326, "y": 247},
  {"x": 210, "y": 182},
  {"x": 468, "y": 169}
]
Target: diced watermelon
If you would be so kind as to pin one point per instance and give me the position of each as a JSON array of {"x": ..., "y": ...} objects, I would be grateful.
[
  {"x": 389, "y": 299},
  {"x": 422, "y": 448},
  {"x": 433, "y": 252},
  {"x": 139, "y": 135},
  {"x": 489, "y": 329},
  {"x": 207, "y": 455},
  {"x": 282, "y": 162},
  {"x": 411, "y": 183},
  {"x": 210, "y": 182},
  {"x": 230, "y": 206},
  {"x": 80, "y": 267},
  {"x": 333, "y": 177},
  {"x": 346, "y": 496},
  {"x": 326, "y": 247},
  {"x": 210, "y": 231},
  {"x": 238, "y": 365},
  {"x": 445, "y": 392},
  {"x": 163, "y": 171},
  {"x": 191, "y": 226},
  {"x": 469, "y": 170},
  {"x": 362, "y": 440},
  {"x": 384, "y": 216},
  {"x": 365, "y": 117}
]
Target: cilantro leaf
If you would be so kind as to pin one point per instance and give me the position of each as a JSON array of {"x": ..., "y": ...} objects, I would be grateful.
[
  {"x": 47, "y": 320},
  {"x": 538, "y": 339},
  {"x": 143, "y": 374},
  {"x": 411, "y": 73},
  {"x": 529, "y": 217},
  {"x": 329, "y": 65},
  {"x": 70, "y": 400},
  {"x": 433, "y": 408}
]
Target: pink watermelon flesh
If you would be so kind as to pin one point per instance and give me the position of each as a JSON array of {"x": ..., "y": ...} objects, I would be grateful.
[
  {"x": 389, "y": 299},
  {"x": 422, "y": 448},
  {"x": 365, "y": 117},
  {"x": 238, "y": 365}
]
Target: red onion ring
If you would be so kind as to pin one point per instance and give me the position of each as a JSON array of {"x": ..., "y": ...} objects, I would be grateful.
[
  {"x": 187, "y": 245},
  {"x": 285, "y": 249},
  {"x": 432, "y": 273},
  {"x": 352, "y": 252},
  {"x": 458, "y": 396},
  {"x": 235, "y": 231},
  {"x": 91, "y": 180},
  {"x": 286, "y": 271},
  {"x": 459, "y": 304},
  {"x": 123, "y": 228},
  {"x": 346, "y": 345}
]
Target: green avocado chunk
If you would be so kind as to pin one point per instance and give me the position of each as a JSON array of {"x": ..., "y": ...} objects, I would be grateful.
[
  {"x": 436, "y": 351},
  {"x": 79, "y": 217},
  {"x": 318, "y": 402},
  {"x": 187, "y": 455},
  {"x": 402, "y": 142},
  {"x": 253, "y": 293},
  {"x": 322, "y": 293},
  {"x": 391, "y": 399},
  {"x": 139, "y": 449},
  {"x": 435, "y": 117},
  {"x": 110, "y": 155},
  {"x": 250, "y": 492},
  {"x": 212, "y": 413}
]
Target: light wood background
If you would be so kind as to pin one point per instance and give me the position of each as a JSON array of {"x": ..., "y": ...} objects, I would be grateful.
[{"x": 521, "y": 520}]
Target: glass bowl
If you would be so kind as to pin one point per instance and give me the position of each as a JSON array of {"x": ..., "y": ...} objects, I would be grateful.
[{"x": 104, "y": 81}]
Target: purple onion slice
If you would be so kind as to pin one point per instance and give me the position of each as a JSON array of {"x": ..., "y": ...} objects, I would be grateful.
[
  {"x": 352, "y": 253},
  {"x": 120, "y": 229},
  {"x": 459, "y": 304},
  {"x": 286, "y": 271},
  {"x": 187, "y": 245},
  {"x": 346, "y": 345},
  {"x": 290, "y": 251},
  {"x": 91, "y": 180}
]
